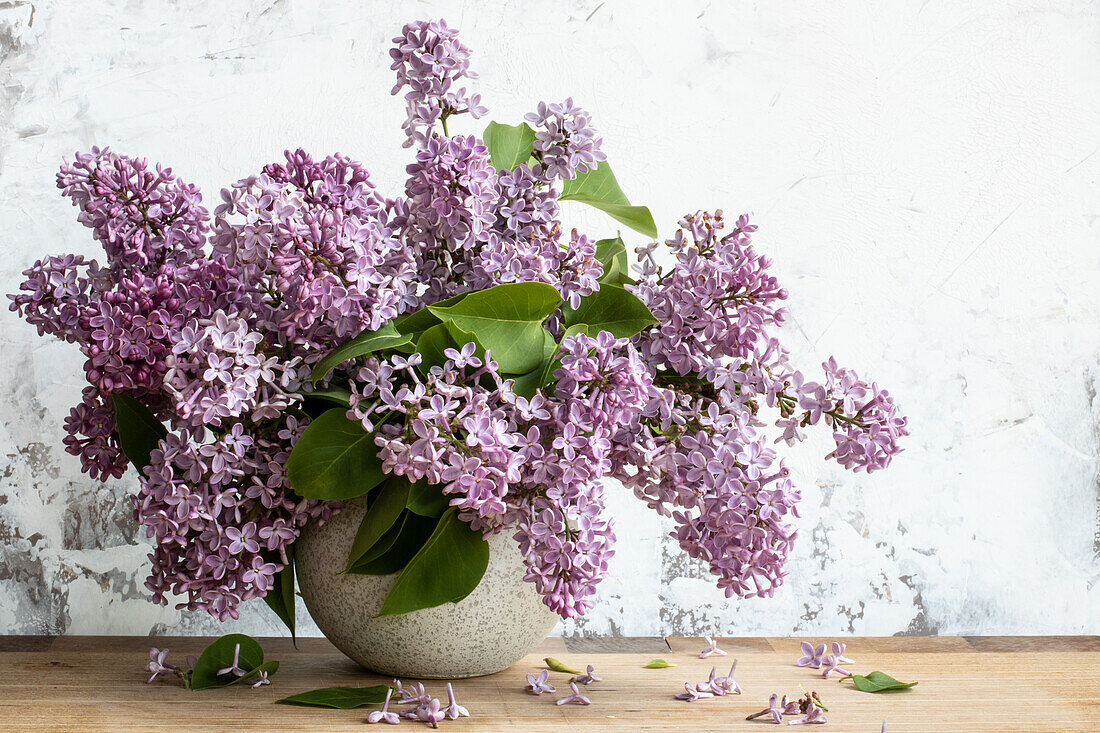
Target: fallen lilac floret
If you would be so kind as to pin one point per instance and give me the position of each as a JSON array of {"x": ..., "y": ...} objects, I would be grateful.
[
  {"x": 158, "y": 663},
  {"x": 539, "y": 685},
  {"x": 776, "y": 708},
  {"x": 831, "y": 664},
  {"x": 429, "y": 712},
  {"x": 414, "y": 693},
  {"x": 453, "y": 709},
  {"x": 261, "y": 679},
  {"x": 838, "y": 652},
  {"x": 711, "y": 648},
  {"x": 691, "y": 694},
  {"x": 384, "y": 715},
  {"x": 729, "y": 684},
  {"x": 811, "y": 655},
  {"x": 576, "y": 698},
  {"x": 812, "y": 716},
  {"x": 234, "y": 668},
  {"x": 588, "y": 677}
]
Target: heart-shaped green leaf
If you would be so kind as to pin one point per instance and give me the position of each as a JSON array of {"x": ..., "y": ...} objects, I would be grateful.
[
  {"x": 386, "y": 337},
  {"x": 423, "y": 319},
  {"x": 658, "y": 664},
  {"x": 386, "y": 504},
  {"x": 280, "y": 598},
  {"x": 433, "y": 343},
  {"x": 219, "y": 655},
  {"x": 341, "y": 698},
  {"x": 446, "y": 569},
  {"x": 335, "y": 395},
  {"x": 334, "y": 459},
  {"x": 877, "y": 682},
  {"x": 509, "y": 145},
  {"x": 139, "y": 430},
  {"x": 413, "y": 532},
  {"x": 428, "y": 500},
  {"x": 507, "y": 320},
  {"x": 598, "y": 188},
  {"x": 611, "y": 308},
  {"x": 525, "y": 385},
  {"x": 612, "y": 254}
]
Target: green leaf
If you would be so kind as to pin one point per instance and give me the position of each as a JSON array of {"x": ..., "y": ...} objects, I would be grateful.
[
  {"x": 507, "y": 320},
  {"x": 611, "y": 308},
  {"x": 334, "y": 459},
  {"x": 386, "y": 505},
  {"x": 280, "y": 598},
  {"x": 612, "y": 254},
  {"x": 335, "y": 395},
  {"x": 598, "y": 188},
  {"x": 446, "y": 569},
  {"x": 382, "y": 546},
  {"x": 525, "y": 385},
  {"x": 509, "y": 146},
  {"x": 414, "y": 531},
  {"x": 139, "y": 430},
  {"x": 423, "y": 319},
  {"x": 657, "y": 664},
  {"x": 428, "y": 500},
  {"x": 877, "y": 682},
  {"x": 367, "y": 342},
  {"x": 341, "y": 698},
  {"x": 559, "y": 666},
  {"x": 219, "y": 655}
]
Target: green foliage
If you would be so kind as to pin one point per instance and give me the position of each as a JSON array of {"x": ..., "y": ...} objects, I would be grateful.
[
  {"x": 658, "y": 664},
  {"x": 598, "y": 188},
  {"x": 612, "y": 254},
  {"x": 386, "y": 337},
  {"x": 509, "y": 145},
  {"x": 446, "y": 569},
  {"x": 138, "y": 428},
  {"x": 386, "y": 504},
  {"x": 413, "y": 532},
  {"x": 341, "y": 698},
  {"x": 877, "y": 682},
  {"x": 219, "y": 655},
  {"x": 427, "y": 500},
  {"x": 557, "y": 665},
  {"x": 507, "y": 320},
  {"x": 611, "y": 308},
  {"x": 335, "y": 459}
]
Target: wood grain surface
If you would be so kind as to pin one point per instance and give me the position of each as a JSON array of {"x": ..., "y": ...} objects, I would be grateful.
[{"x": 966, "y": 684}]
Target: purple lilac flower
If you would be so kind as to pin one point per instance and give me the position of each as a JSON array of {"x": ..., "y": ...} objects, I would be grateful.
[
  {"x": 261, "y": 679},
  {"x": 838, "y": 652},
  {"x": 235, "y": 667},
  {"x": 692, "y": 693},
  {"x": 728, "y": 683},
  {"x": 576, "y": 698},
  {"x": 588, "y": 677},
  {"x": 384, "y": 715},
  {"x": 777, "y": 708},
  {"x": 811, "y": 655},
  {"x": 158, "y": 663},
  {"x": 566, "y": 144},
  {"x": 711, "y": 648},
  {"x": 453, "y": 709},
  {"x": 813, "y": 716},
  {"x": 430, "y": 712},
  {"x": 431, "y": 61},
  {"x": 540, "y": 684},
  {"x": 831, "y": 664}
]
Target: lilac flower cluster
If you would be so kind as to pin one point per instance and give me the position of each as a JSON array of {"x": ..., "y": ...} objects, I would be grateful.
[
  {"x": 423, "y": 707},
  {"x": 808, "y": 706},
  {"x": 566, "y": 142}
]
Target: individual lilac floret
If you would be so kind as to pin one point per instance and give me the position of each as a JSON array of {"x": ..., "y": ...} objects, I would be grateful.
[
  {"x": 453, "y": 709},
  {"x": 414, "y": 693},
  {"x": 811, "y": 655},
  {"x": 158, "y": 663},
  {"x": 813, "y": 716},
  {"x": 261, "y": 679},
  {"x": 838, "y": 652},
  {"x": 691, "y": 694},
  {"x": 727, "y": 684},
  {"x": 576, "y": 698},
  {"x": 539, "y": 685},
  {"x": 567, "y": 143},
  {"x": 234, "y": 668},
  {"x": 777, "y": 708},
  {"x": 711, "y": 649},
  {"x": 384, "y": 715},
  {"x": 588, "y": 677},
  {"x": 831, "y": 664},
  {"x": 430, "y": 712}
]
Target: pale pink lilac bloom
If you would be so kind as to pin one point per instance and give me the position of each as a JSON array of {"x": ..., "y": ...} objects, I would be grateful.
[
  {"x": 838, "y": 652},
  {"x": 777, "y": 708},
  {"x": 540, "y": 684},
  {"x": 831, "y": 664},
  {"x": 158, "y": 663},
  {"x": 261, "y": 679},
  {"x": 384, "y": 715},
  {"x": 811, "y": 655},
  {"x": 453, "y": 709},
  {"x": 692, "y": 693},
  {"x": 576, "y": 698},
  {"x": 588, "y": 677},
  {"x": 711, "y": 649},
  {"x": 813, "y": 716},
  {"x": 234, "y": 668}
]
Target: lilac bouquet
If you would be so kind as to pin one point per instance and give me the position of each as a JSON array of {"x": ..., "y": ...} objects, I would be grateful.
[{"x": 449, "y": 353}]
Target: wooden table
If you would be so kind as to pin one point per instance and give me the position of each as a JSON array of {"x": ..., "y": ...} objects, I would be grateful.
[{"x": 966, "y": 684}]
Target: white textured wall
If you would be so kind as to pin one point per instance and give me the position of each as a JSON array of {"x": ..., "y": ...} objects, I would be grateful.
[{"x": 925, "y": 174}]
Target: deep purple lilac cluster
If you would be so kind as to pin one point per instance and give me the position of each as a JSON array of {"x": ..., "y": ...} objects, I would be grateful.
[{"x": 215, "y": 323}]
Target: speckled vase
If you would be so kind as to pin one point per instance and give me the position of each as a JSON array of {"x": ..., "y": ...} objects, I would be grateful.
[{"x": 489, "y": 630}]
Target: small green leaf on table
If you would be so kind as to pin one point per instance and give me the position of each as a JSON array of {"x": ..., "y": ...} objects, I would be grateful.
[
  {"x": 219, "y": 655},
  {"x": 657, "y": 664},
  {"x": 611, "y": 308},
  {"x": 509, "y": 145},
  {"x": 386, "y": 504},
  {"x": 507, "y": 320},
  {"x": 385, "y": 337},
  {"x": 599, "y": 189},
  {"x": 335, "y": 459},
  {"x": 139, "y": 430},
  {"x": 877, "y": 682},
  {"x": 445, "y": 570},
  {"x": 341, "y": 698},
  {"x": 557, "y": 665}
]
